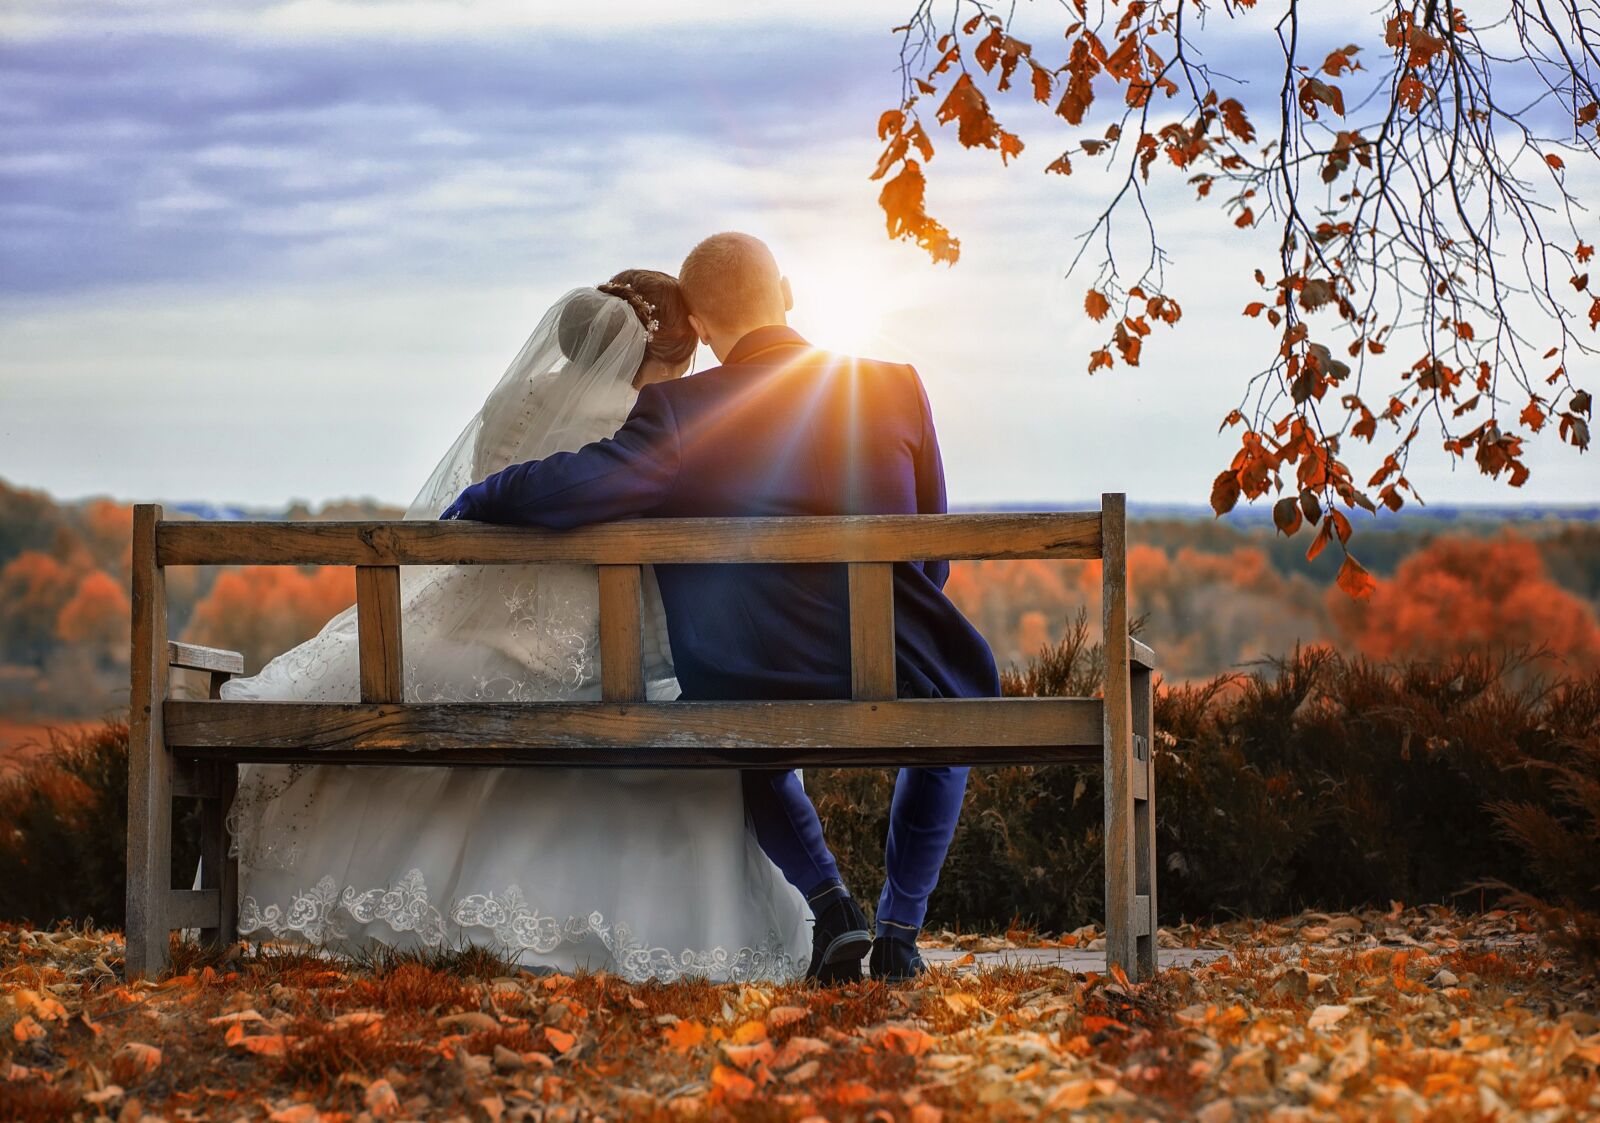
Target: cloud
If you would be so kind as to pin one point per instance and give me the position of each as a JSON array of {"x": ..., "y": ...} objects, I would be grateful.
[
  {"x": 265, "y": 157},
  {"x": 305, "y": 257},
  {"x": 390, "y": 19}
]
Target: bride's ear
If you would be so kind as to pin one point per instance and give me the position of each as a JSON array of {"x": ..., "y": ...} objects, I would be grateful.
[
  {"x": 699, "y": 329},
  {"x": 788, "y": 294}
]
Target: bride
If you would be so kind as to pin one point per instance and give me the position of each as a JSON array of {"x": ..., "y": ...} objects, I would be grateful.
[{"x": 643, "y": 874}]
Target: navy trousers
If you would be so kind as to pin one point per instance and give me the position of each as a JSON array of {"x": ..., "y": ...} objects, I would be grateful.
[{"x": 922, "y": 819}]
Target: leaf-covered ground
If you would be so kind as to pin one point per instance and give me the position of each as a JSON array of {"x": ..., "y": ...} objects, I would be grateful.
[{"x": 1406, "y": 1015}]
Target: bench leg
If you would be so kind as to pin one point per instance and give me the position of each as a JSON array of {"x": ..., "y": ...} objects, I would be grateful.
[
  {"x": 1122, "y": 905},
  {"x": 149, "y": 886},
  {"x": 1144, "y": 823},
  {"x": 218, "y": 870}
]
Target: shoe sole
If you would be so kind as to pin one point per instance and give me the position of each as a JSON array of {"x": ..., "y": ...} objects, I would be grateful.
[{"x": 847, "y": 947}]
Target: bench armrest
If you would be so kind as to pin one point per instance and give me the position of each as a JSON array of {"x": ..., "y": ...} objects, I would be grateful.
[
  {"x": 1140, "y": 654},
  {"x": 195, "y": 658}
]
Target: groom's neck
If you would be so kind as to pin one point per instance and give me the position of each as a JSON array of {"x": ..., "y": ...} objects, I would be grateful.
[{"x": 724, "y": 340}]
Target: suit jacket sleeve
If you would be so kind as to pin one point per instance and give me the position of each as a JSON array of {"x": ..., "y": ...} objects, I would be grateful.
[
  {"x": 931, "y": 499},
  {"x": 628, "y": 474}
]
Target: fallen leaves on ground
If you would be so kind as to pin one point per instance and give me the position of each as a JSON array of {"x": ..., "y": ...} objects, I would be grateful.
[{"x": 1396, "y": 1014}]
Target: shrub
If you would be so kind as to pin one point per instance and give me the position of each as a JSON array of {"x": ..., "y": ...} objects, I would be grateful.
[
  {"x": 1313, "y": 781},
  {"x": 1561, "y": 839},
  {"x": 63, "y": 831}
]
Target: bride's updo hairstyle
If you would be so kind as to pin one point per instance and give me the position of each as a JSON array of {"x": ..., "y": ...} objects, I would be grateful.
[{"x": 650, "y": 296}]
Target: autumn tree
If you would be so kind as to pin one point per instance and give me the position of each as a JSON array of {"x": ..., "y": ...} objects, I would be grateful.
[
  {"x": 1205, "y": 612},
  {"x": 34, "y": 588},
  {"x": 97, "y": 617},
  {"x": 1430, "y": 278},
  {"x": 1460, "y": 595},
  {"x": 262, "y": 611}
]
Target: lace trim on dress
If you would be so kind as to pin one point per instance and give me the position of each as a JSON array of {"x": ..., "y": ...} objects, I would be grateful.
[{"x": 317, "y": 915}]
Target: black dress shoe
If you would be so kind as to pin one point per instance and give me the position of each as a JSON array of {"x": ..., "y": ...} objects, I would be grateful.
[
  {"x": 895, "y": 958},
  {"x": 839, "y": 936}
]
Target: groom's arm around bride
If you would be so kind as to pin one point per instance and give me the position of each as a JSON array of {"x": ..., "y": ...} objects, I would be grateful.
[{"x": 781, "y": 428}]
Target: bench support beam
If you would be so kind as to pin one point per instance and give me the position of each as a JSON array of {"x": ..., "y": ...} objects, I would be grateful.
[
  {"x": 1123, "y": 887},
  {"x": 872, "y": 677},
  {"x": 149, "y": 885},
  {"x": 621, "y": 634},
  {"x": 378, "y": 633},
  {"x": 1144, "y": 822}
]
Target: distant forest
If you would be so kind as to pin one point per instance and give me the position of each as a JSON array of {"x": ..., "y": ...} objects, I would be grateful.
[{"x": 1214, "y": 595}]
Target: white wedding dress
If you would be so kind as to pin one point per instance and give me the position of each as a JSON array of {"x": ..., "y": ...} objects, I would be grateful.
[{"x": 645, "y": 874}]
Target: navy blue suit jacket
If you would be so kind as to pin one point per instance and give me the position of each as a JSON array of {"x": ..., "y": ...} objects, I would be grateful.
[{"x": 779, "y": 429}]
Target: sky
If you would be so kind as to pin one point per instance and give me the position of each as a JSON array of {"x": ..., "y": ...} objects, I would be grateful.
[{"x": 257, "y": 251}]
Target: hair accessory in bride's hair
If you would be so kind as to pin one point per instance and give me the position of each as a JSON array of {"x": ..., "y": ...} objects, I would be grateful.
[{"x": 641, "y": 307}]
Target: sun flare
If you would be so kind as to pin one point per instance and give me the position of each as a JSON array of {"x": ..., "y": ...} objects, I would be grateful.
[{"x": 848, "y": 303}]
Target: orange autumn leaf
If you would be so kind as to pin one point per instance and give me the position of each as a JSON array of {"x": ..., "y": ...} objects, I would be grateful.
[
  {"x": 732, "y": 1084},
  {"x": 1320, "y": 541},
  {"x": 797, "y": 1049},
  {"x": 966, "y": 105},
  {"x": 560, "y": 1040},
  {"x": 906, "y": 1039},
  {"x": 853, "y": 1092},
  {"x": 134, "y": 1061},
  {"x": 748, "y": 1032},
  {"x": 682, "y": 1036},
  {"x": 1094, "y": 1023},
  {"x": 46, "y": 1008},
  {"x": 381, "y": 1099},
  {"x": 1096, "y": 305},
  {"x": 906, "y": 217},
  {"x": 267, "y": 1045},
  {"x": 1355, "y": 580},
  {"x": 745, "y": 1056}
]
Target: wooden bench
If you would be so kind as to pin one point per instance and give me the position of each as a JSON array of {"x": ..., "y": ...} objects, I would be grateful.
[{"x": 192, "y": 748}]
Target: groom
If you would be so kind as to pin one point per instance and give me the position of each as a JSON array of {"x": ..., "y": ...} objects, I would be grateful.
[{"x": 781, "y": 428}]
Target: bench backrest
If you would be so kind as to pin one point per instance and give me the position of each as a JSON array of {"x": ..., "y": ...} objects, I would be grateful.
[
  {"x": 868, "y": 545},
  {"x": 191, "y": 747}
]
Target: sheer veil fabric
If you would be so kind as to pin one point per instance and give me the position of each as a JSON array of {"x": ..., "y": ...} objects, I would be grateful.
[{"x": 646, "y": 874}]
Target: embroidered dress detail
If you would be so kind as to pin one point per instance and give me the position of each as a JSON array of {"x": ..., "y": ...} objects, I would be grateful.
[{"x": 515, "y": 928}]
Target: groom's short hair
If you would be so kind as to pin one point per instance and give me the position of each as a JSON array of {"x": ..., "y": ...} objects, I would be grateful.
[{"x": 732, "y": 280}]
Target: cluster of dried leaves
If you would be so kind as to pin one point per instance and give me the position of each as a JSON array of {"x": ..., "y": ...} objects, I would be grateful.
[
  {"x": 1418, "y": 208},
  {"x": 1398, "y": 1014}
]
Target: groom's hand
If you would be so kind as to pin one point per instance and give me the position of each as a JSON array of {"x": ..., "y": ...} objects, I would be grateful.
[{"x": 461, "y": 508}]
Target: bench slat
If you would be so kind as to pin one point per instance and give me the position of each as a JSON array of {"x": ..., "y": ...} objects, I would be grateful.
[
  {"x": 621, "y": 636},
  {"x": 703, "y": 734},
  {"x": 872, "y": 677},
  {"x": 863, "y": 538},
  {"x": 1140, "y": 654},
  {"x": 378, "y": 633},
  {"x": 193, "y": 908},
  {"x": 192, "y": 657}
]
